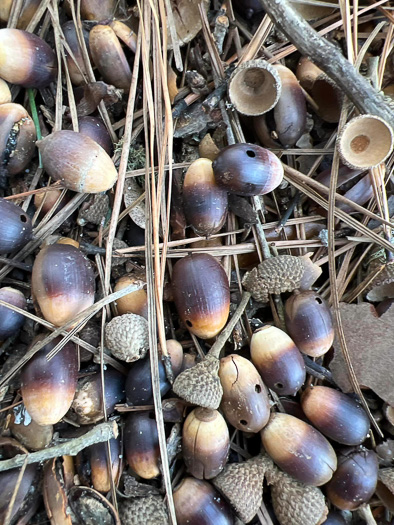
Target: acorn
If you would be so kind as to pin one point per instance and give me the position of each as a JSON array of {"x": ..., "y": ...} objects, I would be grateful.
[
  {"x": 11, "y": 322},
  {"x": 141, "y": 442},
  {"x": 48, "y": 200},
  {"x": 109, "y": 57},
  {"x": 134, "y": 302},
  {"x": 205, "y": 443},
  {"x": 334, "y": 518},
  {"x": 28, "y": 10},
  {"x": 5, "y": 92},
  {"x": 48, "y": 387},
  {"x": 125, "y": 33},
  {"x": 95, "y": 9},
  {"x": 27, "y": 431},
  {"x": 201, "y": 294},
  {"x": 385, "y": 487},
  {"x": 245, "y": 402},
  {"x": 309, "y": 323},
  {"x": 355, "y": 479},
  {"x": 62, "y": 283},
  {"x": 278, "y": 360},
  {"x": 77, "y": 161},
  {"x": 249, "y": 8},
  {"x": 58, "y": 479},
  {"x": 204, "y": 202},
  {"x": 139, "y": 383},
  {"x": 17, "y": 138},
  {"x": 95, "y": 128},
  {"x": 247, "y": 169},
  {"x": 147, "y": 509},
  {"x": 198, "y": 503},
  {"x": 25, "y": 59},
  {"x": 16, "y": 227},
  {"x": 97, "y": 454},
  {"x": 175, "y": 351},
  {"x": 127, "y": 338},
  {"x": 299, "y": 449},
  {"x": 341, "y": 418},
  {"x": 207, "y": 148},
  {"x": 87, "y": 403},
  {"x": 94, "y": 210},
  {"x": 77, "y": 71}
]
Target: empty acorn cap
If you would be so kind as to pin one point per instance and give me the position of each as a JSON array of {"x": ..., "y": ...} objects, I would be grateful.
[
  {"x": 254, "y": 87},
  {"x": 365, "y": 142},
  {"x": 127, "y": 337},
  {"x": 200, "y": 384},
  {"x": 149, "y": 509},
  {"x": 95, "y": 210},
  {"x": 382, "y": 286}
]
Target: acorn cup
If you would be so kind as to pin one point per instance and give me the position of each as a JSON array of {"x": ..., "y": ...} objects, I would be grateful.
[
  {"x": 141, "y": 443},
  {"x": 247, "y": 169},
  {"x": 204, "y": 202},
  {"x": 147, "y": 509},
  {"x": 77, "y": 161},
  {"x": 16, "y": 227},
  {"x": 245, "y": 403},
  {"x": 355, "y": 479},
  {"x": 89, "y": 506},
  {"x": 278, "y": 360},
  {"x": 309, "y": 323},
  {"x": 381, "y": 287},
  {"x": 95, "y": 128},
  {"x": 254, "y": 87},
  {"x": 127, "y": 337},
  {"x": 335, "y": 414},
  {"x": 25, "y": 59},
  {"x": 299, "y": 449},
  {"x": 365, "y": 142},
  {"x": 134, "y": 302},
  {"x": 77, "y": 71},
  {"x": 11, "y": 322},
  {"x": 5, "y": 93}
]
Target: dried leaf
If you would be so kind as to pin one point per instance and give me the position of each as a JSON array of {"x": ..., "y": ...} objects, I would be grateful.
[
  {"x": 369, "y": 339},
  {"x": 131, "y": 193},
  {"x": 93, "y": 94}
]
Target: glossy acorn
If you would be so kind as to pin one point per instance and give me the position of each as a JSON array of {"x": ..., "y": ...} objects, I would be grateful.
[
  {"x": 134, "y": 302},
  {"x": 198, "y": 503},
  {"x": 335, "y": 414},
  {"x": 77, "y": 70},
  {"x": 95, "y": 9},
  {"x": 309, "y": 323},
  {"x": 11, "y": 322},
  {"x": 139, "y": 383},
  {"x": 247, "y": 169},
  {"x": 355, "y": 479},
  {"x": 62, "y": 283},
  {"x": 278, "y": 360},
  {"x": 77, "y": 161},
  {"x": 299, "y": 449},
  {"x": 204, "y": 202},
  {"x": 141, "y": 443},
  {"x": 95, "y": 129},
  {"x": 48, "y": 387},
  {"x": 97, "y": 454},
  {"x": 26, "y": 59},
  {"x": 16, "y": 227},
  {"x": 334, "y": 518},
  {"x": 201, "y": 294},
  {"x": 245, "y": 402}
]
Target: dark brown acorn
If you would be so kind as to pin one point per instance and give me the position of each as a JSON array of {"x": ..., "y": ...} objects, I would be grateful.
[
  {"x": 27, "y": 431},
  {"x": 334, "y": 518},
  {"x": 77, "y": 161},
  {"x": 198, "y": 503},
  {"x": 205, "y": 443},
  {"x": 245, "y": 402},
  {"x": 309, "y": 323},
  {"x": 62, "y": 283},
  {"x": 48, "y": 387},
  {"x": 355, "y": 479},
  {"x": 77, "y": 71},
  {"x": 204, "y": 202},
  {"x": 99, "y": 464},
  {"x": 109, "y": 57},
  {"x": 278, "y": 360},
  {"x": 10, "y": 321},
  {"x": 141, "y": 443},
  {"x": 335, "y": 414},
  {"x": 95, "y": 9},
  {"x": 248, "y": 8},
  {"x": 247, "y": 169},
  {"x": 94, "y": 128},
  {"x": 16, "y": 227},
  {"x": 17, "y": 138},
  {"x": 299, "y": 449},
  {"x": 139, "y": 383},
  {"x": 25, "y": 59},
  {"x": 201, "y": 294}
]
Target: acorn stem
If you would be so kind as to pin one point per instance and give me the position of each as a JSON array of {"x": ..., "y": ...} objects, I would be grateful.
[{"x": 34, "y": 116}]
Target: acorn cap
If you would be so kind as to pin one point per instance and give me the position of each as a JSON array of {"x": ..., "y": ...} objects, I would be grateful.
[
  {"x": 148, "y": 510},
  {"x": 382, "y": 287},
  {"x": 95, "y": 210},
  {"x": 118, "y": 245},
  {"x": 127, "y": 337},
  {"x": 200, "y": 385}
]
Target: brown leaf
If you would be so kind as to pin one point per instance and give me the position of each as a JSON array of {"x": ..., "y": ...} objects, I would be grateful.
[{"x": 369, "y": 339}]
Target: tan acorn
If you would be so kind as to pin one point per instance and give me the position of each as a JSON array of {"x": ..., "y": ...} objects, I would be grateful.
[
  {"x": 148, "y": 509},
  {"x": 127, "y": 337},
  {"x": 5, "y": 93},
  {"x": 95, "y": 210},
  {"x": 134, "y": 302}
]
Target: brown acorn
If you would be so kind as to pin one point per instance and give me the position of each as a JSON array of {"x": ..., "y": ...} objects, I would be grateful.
[
  {"x": 94, "y": 128},
  {"x": 299, "y": 449},
  {"x": 27, "y": 431},
  {"x": 62, "y": 283},
  {"x": 278, "y": 360},
  {"x": 245, "y": 402},
  {"x": 198, "y": 503},
  {"x": 134, "y": 302},
  {"x": 247, "y": 169},
  {"x": 46, "y": 201},
  {"x": 26, "y": 59},
  {"x": 205, "y": 443},
  {"x": 97, "y": 454},
  {"x": 204, "y": 202},
  {"x": 146, "y": 509},
  {"x": 141, "y": 444},
  {"x": 355, "y": 479},
  {"x": 77, "y": 71},
  {"x": 5, "y": 93},
  {"x": 201, "y": 294},
  {"x": 77, "y": 161},
  {"x": 16, "y": 227},
  {"x": 58, "y": 479},
  {"x": 125, "y": 34},
  {"x": 29, "y": 8},
  {"x": 11, "y": 322},
  {"x": 309, "y": 323},
  {"x": 175, "y": 351},
  {"x": 334, "y": 518},
  {"x": 95, "y": 9},
  {"x": 335, "y": 414},
  {"x": 127, "y": 337}
]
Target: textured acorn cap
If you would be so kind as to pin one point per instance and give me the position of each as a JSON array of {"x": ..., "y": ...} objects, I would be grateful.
[
  {"x": 200, "y": 384},
  {"x": 118, "y": 245},
  {"x": 127, "y": 337},
  {"x": 382, "y": 287},
  {"x": 95, "y": 210},
  {"x": 149, "y": 510}
]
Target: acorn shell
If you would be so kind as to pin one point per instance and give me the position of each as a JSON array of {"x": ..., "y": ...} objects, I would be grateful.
[
  {"x": 11, "y": 322},
  {"x": 77, "y": 161},
  {"x": 16, "y": 227},
  {"x": 70, "y": 34},
  {"x": 141, "y": 442}
]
